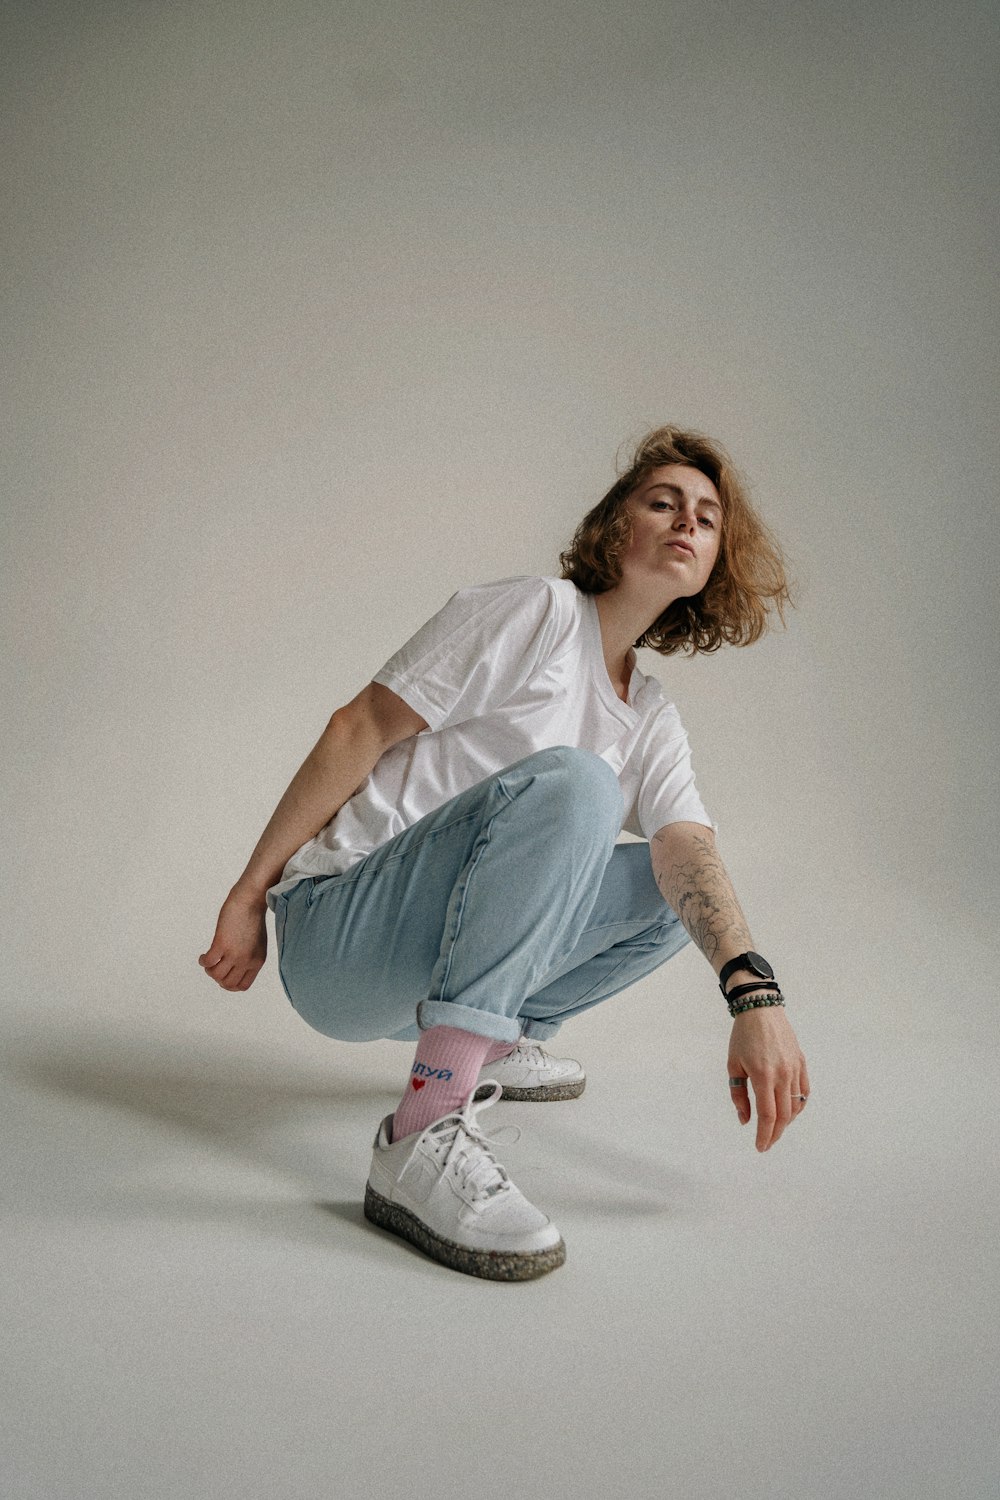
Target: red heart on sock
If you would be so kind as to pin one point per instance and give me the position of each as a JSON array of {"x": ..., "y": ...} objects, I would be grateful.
[{"x": 418, "y": 1083}]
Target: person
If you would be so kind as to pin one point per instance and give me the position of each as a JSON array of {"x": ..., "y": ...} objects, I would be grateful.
[{"x": 444, "y": 866}]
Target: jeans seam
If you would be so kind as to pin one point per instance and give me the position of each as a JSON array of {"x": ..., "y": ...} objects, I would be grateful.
[
  {"x": 605, "y": 926},
  {"x": 391, "y": 859},
  {"x": 482, "y": 842},
  {"x": 579, "y": 999}
]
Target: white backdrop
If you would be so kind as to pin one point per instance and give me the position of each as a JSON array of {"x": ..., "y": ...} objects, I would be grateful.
[{"x": 317, "y": 312}]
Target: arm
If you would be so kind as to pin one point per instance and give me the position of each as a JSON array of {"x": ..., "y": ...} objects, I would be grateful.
[
  {"x": 693, "y": 881},
  {"x": 355, "y": 738}
]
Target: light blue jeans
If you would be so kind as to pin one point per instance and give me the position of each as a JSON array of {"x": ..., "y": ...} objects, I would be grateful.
[{"x": 505, "y": 911}]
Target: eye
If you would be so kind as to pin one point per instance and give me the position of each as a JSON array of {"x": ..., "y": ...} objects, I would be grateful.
[
  {"x": 708, "y": 522},
  {"x": 665, "y": 503}
]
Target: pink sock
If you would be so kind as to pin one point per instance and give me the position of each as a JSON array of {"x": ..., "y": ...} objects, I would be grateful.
[{"x": 443, "y": 1076}]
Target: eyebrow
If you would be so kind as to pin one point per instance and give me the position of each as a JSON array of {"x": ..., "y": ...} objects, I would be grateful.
[{"x": 675, "y": 489}]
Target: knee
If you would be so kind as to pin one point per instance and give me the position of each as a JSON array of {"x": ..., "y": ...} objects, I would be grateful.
[{"x": 584, "y": 781}]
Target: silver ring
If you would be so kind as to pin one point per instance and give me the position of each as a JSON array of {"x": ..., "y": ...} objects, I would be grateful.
[{"x": 737, "y": 1083}]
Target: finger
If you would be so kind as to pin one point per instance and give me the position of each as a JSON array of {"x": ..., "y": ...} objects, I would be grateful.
[
  {"x": 767, "y": 1113},
  {"x": 800, "y": 1089},
  {"x": 740, "y": 1095},
  {"x": 783, "y": 1110}
]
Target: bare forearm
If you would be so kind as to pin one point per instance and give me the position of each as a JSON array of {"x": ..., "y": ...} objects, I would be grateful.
[
  {"x": 763, "y": 1053},
  {"x": 693, "y": 881},
  {"x": 330, "y": 774}
]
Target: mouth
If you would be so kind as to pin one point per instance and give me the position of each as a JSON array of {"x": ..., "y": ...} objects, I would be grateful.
[{"x": 682, "y": 547}]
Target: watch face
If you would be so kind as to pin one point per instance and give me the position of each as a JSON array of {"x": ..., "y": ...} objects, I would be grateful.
[{"x": 760, "y": 966}]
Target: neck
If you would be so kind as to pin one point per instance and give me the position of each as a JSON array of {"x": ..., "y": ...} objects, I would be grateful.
[{"x": 626, "y": 612}]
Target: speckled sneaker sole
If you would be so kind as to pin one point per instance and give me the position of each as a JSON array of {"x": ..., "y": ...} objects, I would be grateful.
[
  {"x": 545, "y": 1094},
  {"x": 493, "y": 1265}
]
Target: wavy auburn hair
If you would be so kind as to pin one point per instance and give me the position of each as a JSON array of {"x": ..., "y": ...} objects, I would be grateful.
[{"x": 749, "y": 571}]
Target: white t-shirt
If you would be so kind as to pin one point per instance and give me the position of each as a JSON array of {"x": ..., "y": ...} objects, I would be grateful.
[{"x": 502, "y": 670}]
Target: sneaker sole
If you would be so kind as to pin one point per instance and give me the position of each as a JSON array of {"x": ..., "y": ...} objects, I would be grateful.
[
  {"x": 546, "y": 1094},
  {"x": 493, "y": 1265}
]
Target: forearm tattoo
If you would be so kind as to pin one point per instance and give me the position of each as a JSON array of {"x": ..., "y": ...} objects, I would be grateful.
[{"x": 694, "y": 882}]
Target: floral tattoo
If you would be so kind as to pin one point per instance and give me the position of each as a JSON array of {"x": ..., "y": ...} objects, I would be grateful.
[{"x": 700, "y": 892}]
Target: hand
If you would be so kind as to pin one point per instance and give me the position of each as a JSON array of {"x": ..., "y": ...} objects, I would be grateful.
[
  {"x": 239, "y": 946},
  {"x": 763, "y": 1048}
]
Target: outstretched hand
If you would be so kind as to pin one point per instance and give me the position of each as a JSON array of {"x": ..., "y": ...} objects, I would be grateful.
[
  {"x": 763, "y": 1050},
  {"x": 239, "y": 947}
]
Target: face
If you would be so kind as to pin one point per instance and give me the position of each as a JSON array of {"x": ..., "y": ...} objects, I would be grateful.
[{"x": 676, "y": 527}]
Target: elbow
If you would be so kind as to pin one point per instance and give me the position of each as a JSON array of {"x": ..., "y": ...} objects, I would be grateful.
[
  {"x": 381, "y": 716},
  {"x": 672, "y": 834}
]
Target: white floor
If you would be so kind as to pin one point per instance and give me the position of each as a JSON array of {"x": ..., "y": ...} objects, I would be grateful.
[{"x": 193, "y": 1305}]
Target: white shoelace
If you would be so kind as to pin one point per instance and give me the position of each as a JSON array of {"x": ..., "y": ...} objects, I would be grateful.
[
  {"x": 531, "y": 1053},
  {"x": 459, "y": 1142}
]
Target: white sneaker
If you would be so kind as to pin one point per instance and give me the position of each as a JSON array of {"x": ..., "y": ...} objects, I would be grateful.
[
  {"x": 531, "y": 1074},
  {"x": 445, "y": 1191}
]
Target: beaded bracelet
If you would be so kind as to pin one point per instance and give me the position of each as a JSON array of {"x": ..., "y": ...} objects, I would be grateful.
[{"x": 737, "y": 1010}]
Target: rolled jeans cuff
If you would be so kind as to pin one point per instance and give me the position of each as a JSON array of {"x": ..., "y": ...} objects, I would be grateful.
[
  {"x": 539, "y": 1031},
  {"x": 467, "y": 1018}
]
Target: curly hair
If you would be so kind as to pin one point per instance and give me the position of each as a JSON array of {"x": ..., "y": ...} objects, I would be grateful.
[{"x": 748, "y": 572}]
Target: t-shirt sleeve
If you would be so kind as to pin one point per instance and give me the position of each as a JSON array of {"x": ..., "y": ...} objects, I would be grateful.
[
  {"x": 479, "y": 648},
  {"x": 667, "y": 792}
]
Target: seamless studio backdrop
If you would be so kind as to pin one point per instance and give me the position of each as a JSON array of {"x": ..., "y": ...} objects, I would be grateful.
[{"x": 314, "y": 314}]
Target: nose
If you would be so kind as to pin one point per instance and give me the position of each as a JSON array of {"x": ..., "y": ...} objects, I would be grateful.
[{"x": 685, "y": 521}]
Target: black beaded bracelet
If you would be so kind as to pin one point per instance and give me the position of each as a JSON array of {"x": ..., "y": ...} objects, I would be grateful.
[{"x": 737, "y": 1010}]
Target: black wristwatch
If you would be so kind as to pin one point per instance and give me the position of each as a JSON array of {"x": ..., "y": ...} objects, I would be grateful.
[{"x": 751, "y": 961}]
